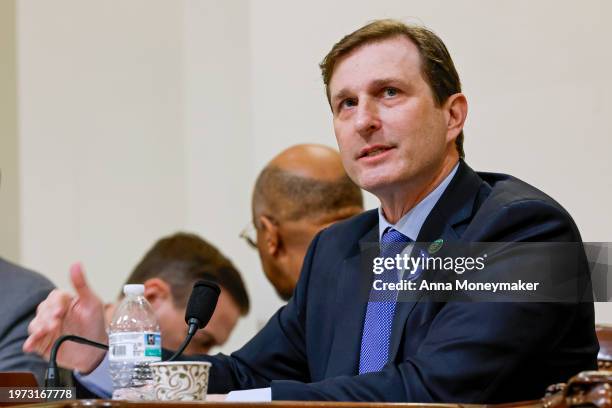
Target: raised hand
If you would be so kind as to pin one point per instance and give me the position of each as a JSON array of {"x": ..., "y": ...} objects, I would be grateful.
[{"x": 62, "y": 313}]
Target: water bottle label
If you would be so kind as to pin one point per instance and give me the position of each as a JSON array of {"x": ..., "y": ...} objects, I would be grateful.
[{"x": 134, "y": 346}]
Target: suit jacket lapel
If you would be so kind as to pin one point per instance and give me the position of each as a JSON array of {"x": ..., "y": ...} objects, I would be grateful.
[
  {"x": 454, "y": 207},
  {"x": 352, "y": 303}
]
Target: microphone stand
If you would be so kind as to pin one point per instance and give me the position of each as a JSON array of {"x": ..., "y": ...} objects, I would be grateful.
[
  {"x": 193, "y": 328},
  {"x": 198, "y": 313},
  {"x": 51, "y": 379}
]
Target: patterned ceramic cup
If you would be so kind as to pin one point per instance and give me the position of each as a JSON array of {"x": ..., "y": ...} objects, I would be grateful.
[{"x": 180, "y": 380}]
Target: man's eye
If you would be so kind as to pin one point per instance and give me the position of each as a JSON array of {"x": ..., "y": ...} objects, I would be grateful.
[
  {"x": 348, "y": 103},
  {"x": 389, "y": 92}
]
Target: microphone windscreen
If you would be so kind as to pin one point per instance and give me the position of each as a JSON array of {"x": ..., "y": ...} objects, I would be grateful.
[{"x": 202, "y": 302}]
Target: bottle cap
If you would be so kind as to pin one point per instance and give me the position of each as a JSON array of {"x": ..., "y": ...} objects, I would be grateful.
[{"x": 133, "y": 289}]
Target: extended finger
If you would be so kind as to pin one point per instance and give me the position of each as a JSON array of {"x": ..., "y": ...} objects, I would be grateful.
[
  {"x": 35, "y": 342},
  {"x": 77, "y": 276}
]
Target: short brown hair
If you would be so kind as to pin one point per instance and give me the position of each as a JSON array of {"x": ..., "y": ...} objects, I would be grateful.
[
  {"x": 437, "y": 65},
  {"x": 183, "y": 258}
]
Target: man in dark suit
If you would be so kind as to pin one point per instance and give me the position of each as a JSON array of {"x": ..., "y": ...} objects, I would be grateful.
[
  {"x": 438, "y": 352},
  {"x": 398, "y": 115}
]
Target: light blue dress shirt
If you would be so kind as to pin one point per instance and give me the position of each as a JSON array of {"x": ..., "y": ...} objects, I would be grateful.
[
  {"x": 98, "y": 381},
  {"x": 410, "y": 224}
]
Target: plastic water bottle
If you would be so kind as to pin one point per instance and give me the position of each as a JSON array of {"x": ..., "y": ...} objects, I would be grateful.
[{"x": 134, "y": 342}]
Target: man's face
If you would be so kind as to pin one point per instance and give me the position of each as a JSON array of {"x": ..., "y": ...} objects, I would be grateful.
[
  {"x": 389, "y": 130},
  {"x": 174, "y": 329},
  {"x": 273, "y": 268}
]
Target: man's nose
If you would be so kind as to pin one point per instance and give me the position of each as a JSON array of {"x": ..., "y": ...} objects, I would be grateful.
[{"x": 367, "y": 118}]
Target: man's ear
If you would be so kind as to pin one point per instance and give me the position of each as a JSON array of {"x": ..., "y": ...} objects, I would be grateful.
[
  {"x": 157, "y": 291},
  {"x": 456, "y": 108},
  {"x": 270, "y": 235}
]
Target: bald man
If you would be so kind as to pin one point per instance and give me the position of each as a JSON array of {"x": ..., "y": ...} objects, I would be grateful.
[{"x": 301, "y": 191}]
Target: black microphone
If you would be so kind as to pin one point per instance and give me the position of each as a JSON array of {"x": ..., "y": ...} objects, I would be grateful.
[
  {"x": 51, "y": 379},
  {"x": 200, "y": 309}
]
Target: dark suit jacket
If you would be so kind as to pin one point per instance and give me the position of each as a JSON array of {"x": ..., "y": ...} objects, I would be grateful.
[
  {"x": 20, "y": 293},
  {"x": 440, "y": 352}
]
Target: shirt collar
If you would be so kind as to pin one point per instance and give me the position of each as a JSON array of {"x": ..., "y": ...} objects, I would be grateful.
[{"x": 410, "y": 224}]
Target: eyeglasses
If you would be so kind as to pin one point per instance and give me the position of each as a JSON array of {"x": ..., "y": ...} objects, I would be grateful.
[{"x": 249, "y": 234}]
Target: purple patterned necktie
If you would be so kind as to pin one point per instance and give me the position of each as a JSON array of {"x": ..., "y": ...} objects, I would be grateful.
[{"x": 381, "y": 308}]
